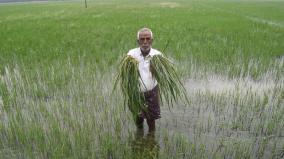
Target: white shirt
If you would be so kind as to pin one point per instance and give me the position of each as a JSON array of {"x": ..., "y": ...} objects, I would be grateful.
[{"x": 147, "y": 81}]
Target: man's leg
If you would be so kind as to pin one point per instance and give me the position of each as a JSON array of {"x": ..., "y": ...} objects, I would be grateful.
[
  {"x": 139, "y": 122},
  {"x": 151, "y": 124}
]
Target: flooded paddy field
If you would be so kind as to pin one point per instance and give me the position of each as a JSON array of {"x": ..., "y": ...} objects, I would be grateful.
[
  {"x": 59, "y": 62},
  {"x": 227, "y": 117}
]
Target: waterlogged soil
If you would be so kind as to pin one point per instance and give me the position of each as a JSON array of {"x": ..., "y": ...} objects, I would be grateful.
[{"x": 200, "y": 125}]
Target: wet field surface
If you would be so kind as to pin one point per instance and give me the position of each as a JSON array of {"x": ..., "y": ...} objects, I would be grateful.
[{"x": 217, "y": 114}]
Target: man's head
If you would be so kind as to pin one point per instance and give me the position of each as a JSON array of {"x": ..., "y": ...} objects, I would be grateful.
[{"x": 145, "y": 39}]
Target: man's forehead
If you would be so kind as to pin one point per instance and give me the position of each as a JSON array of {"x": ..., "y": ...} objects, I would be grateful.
[{"x": 145, "y": 33}]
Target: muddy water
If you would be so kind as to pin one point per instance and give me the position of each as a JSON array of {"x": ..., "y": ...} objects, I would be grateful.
[{"x": 202, "y": 123}]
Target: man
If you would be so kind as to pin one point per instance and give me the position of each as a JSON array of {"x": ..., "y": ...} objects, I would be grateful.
[{"x": 148, "y": 84}]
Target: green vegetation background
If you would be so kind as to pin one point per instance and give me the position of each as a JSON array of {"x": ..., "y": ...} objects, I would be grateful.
[{"x": 212, "y": 32}]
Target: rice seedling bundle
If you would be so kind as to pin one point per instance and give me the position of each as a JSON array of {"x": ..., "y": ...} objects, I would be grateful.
[
  {"x": 128, "y": 77},
  {"x": 170, "y": 85}
]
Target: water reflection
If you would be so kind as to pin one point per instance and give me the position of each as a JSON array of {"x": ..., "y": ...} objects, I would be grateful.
[{"x": 145, "y": 146}]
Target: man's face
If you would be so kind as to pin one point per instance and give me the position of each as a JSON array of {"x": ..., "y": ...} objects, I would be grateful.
[{"x": 145, "y": 41}]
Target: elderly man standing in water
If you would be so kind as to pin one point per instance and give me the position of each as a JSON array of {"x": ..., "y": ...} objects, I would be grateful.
[
  {"x": 145, "y": 74},
  {"x": 148, "y": 84}
]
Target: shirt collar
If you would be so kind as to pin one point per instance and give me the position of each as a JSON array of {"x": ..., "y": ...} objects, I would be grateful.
[{"x": 150, "y": 52}]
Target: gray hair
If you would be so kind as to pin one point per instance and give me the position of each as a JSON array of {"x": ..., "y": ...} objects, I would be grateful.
[{"x": 142, "y": 30}]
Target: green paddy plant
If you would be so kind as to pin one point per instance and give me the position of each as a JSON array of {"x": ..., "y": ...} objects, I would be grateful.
[
  {"x": 128, "y": 77},
  {"x": 171, "y": 87}
]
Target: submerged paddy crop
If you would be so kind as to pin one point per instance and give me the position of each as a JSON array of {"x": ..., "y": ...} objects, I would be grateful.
[{"x": 59, "y": 61}]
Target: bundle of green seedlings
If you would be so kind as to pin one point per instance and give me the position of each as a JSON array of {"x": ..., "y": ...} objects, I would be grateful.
[
  {"x": 170, "y": 86},
  {"x": 128, "y": 77}
]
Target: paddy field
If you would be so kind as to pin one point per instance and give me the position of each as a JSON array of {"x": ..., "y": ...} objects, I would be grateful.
[{"x": 58, "y": 62}]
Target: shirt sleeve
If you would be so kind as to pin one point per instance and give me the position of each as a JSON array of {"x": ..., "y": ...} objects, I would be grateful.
[{"x": 131, "y": 53}]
